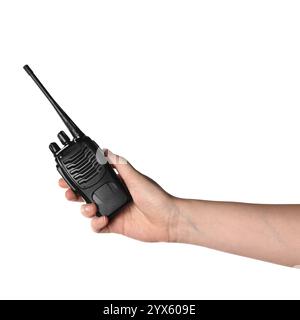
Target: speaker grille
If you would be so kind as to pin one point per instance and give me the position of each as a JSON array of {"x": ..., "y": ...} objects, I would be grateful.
[{"x": 84, "y": 167}]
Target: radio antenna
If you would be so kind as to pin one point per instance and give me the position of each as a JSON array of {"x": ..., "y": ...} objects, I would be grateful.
[{"x": 75, "y": 131}]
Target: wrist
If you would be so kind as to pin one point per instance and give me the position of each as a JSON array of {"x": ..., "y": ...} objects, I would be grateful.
[{"x": 183, "y": 228}]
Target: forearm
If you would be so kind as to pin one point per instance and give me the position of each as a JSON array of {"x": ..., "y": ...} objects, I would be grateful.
[{"x": 265, "y": 232}]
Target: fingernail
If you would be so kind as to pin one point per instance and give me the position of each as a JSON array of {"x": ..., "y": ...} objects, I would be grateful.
[
  {"x": 85, "y": 208},
  {"x": 107, "y": 152}
]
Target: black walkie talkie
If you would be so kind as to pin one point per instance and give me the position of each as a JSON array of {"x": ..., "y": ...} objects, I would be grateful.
[{"x": 83, "y": 166}]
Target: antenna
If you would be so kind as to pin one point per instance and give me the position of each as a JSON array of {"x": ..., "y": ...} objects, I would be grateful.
[{"x": 75, "y": 131}]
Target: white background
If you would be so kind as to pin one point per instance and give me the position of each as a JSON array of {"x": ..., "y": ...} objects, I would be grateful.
[{"x": 203, "y": 96}]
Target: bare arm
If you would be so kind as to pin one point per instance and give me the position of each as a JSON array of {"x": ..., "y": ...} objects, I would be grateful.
[{"x": 265, "y": 232}]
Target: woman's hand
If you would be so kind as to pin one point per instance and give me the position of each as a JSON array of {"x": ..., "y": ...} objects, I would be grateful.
[
  {"x": 265, "y": 232},
  {"x": 152, "y": 216}
]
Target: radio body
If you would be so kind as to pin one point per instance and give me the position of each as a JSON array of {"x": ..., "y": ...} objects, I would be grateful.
[{"x": 84, "y": 167}]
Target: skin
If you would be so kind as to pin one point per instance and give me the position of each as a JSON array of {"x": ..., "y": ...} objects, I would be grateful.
[{"x": 266, "y": 232}]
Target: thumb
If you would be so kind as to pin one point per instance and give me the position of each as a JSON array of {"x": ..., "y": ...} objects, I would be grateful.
[{"x": 127, "y": 172}]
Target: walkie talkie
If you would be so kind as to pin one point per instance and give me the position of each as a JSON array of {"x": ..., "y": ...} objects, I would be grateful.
[{"x": 83, "y": 166}]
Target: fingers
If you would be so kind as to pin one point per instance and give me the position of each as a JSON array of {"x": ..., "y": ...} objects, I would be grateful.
[
  {"x": 89, "y": 210},
  {"x": 99, "y": 224},
  {"x": 71, "y": 196},
  {"x": 62, "y": 183}
]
